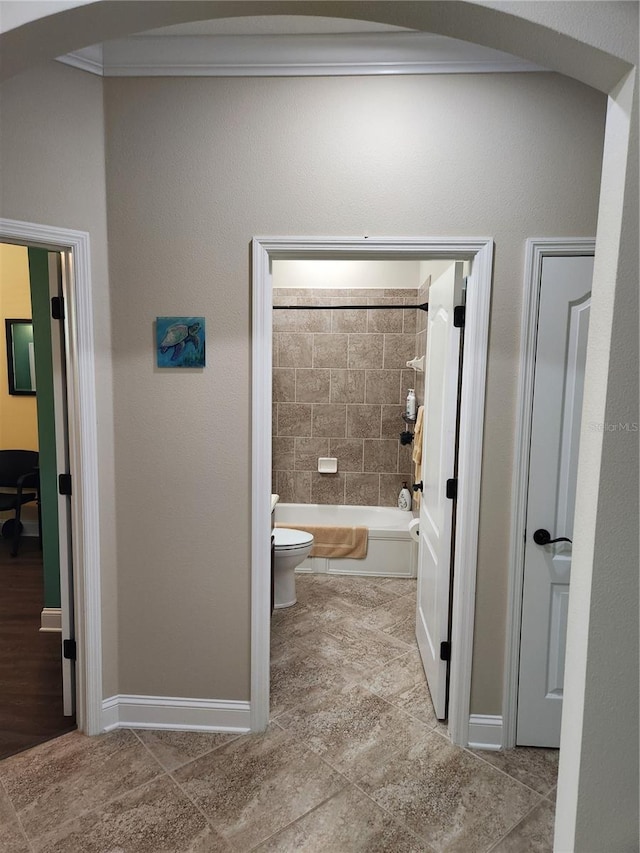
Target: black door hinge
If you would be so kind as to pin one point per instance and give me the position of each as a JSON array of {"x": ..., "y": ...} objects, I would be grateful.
[
  {"x": 458, "y": 316},
  {"x": 57, "y": 307},
  {"x": 445, "y": 651},
  {"x": 69, "y": 649},
  {"x": 64, "y": 484},
  {"x": 452, "y": 489}
]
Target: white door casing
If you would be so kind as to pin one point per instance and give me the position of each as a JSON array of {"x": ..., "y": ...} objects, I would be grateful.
[
  {"x": 438, "y": 461},
  {"x": 561, "y": 341},
  {"x": 480, "y": 252},
  {"x": 83, "y": 454}
]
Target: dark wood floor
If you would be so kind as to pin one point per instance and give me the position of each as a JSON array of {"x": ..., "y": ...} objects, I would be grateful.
[{"x": 30, "y": 668}]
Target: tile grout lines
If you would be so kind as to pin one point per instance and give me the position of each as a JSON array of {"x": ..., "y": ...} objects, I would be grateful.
[{"x": 15, "y": 812}]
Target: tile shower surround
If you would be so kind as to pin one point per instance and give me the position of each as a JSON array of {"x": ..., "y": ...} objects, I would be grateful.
[{"x": 339, "y": 384}]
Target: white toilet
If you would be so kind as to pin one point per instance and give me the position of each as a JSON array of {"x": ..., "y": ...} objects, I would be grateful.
[{"x": 291, "y": 548}]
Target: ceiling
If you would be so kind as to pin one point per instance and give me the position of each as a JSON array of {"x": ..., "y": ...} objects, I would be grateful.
[{"x": 289, "y": 45}]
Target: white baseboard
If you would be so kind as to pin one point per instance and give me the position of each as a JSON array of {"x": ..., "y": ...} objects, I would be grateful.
[
  {"x": 485, "y": 732},
  {"x": 167, "y": 712},
  {"x": 51, "y": 619}
]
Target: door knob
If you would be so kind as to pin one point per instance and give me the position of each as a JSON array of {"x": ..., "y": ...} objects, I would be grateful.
[
  {"x": 417, "y": 487},
  {"x": 543, "y": 537}
]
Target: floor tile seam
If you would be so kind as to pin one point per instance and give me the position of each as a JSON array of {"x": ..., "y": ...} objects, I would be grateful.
[
  {"x": 302, "y": 816},
  {"x": 229, "y": 841},
  {"x": 190, "y": 760},
  {"x": 382, "y": 634},
  {"x": 198, "y": 808},
  {"x": 500, "y": 770},
  {"x": 395, "y": 819},
  {"x": 430, "y": 726},
  {"x": 16, "y": 816},
  {"x": 102, "y": 805},
  {"x": 514, "y": 826},
  {"x": 398, "y": 708}
]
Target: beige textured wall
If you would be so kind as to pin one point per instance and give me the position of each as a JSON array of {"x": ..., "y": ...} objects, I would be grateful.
[
  {"x": 491, "y": 155},
  {"x": 52, "y": 172}
]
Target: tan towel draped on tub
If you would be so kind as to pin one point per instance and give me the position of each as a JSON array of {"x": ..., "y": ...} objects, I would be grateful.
[{"x": 330, "y": 541}]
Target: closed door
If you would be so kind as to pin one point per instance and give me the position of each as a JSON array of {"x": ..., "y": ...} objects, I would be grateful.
[
  {"x": 563, "y": 321},
  {"x": 438, "y": 467}
]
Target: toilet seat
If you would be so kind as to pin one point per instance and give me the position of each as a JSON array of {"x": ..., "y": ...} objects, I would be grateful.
[{"x": 287, "y": 539}]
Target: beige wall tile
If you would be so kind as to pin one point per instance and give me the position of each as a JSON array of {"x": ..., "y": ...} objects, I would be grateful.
[
  {"x": 284, "y": 384},
  {"x": 365, "y": 352},
  {"x": 380, "y": 455},
  {"x": 327, "y": 488},
  {"x": 284, "y": 321},
  {"x": 398, "y": 350},
  {"x": 409, "y": 379},
  {"x": 390, "y": 485},
  {"x": 295, "y": 350},
  {"x": 283, "y": 448},
  {"x": 282, "y": 296},
  {"x": 363, "y": 421},
  {"x": 347, "y": 386},
  {"x": 294, "y": 419},
  {"x": 348, "y": 452},
  {"x": 307, "y": 451},
  {"x": 329, "y": 350},
  {"x": 392, "y": 423},
  {"x": 326, "y": 364},
  {"x": 313, "y": 385},
  {"x": 294, "y": 486},
  {"x": 361, "y": 489},
  {"x": 405, "y": 462},
  {"x": 409, "y": 321},
  {"x": 329, "y": 419},
  {"x": 384, "y": 321},
  {"x": 382, "y": 386},
  {"x": 313, "y": 321},
  {"x": 421, "y": 342},
  {"x": 345, "y": 320}
]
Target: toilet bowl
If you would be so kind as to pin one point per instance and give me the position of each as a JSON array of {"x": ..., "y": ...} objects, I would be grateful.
[{"x": 291, "y": 548}]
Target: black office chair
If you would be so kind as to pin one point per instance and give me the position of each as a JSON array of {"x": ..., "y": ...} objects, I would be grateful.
[{"x": 18, "y": 471}]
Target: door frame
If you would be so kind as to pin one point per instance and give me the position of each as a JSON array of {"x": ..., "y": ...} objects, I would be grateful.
[
  {"x": 264, "y": 251},
  {"x": 537, "y": 249},
  {"x": 83, "y": 454}
]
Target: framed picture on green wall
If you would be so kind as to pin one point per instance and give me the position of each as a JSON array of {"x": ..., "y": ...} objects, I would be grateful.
[{"x": 20, "y": 358}]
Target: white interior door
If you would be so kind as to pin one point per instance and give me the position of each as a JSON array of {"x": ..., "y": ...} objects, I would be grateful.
[
  {"x": 563, "y": 321},
  {"x": 64, "y": 508},
  {"x": 438, "y": 462}
]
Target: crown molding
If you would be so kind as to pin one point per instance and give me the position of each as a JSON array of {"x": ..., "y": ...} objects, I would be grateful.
[{"x": 292, "y": 55}]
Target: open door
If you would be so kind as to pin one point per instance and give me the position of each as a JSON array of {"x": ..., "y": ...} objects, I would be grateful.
[
  {"x": 435, "y": 550},
  {"x": 45, "y": 272}
]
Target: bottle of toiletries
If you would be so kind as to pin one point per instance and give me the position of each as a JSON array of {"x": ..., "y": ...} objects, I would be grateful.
[
  {"x": 404, "y": 498},
  {"x": 411, "y": 405}
]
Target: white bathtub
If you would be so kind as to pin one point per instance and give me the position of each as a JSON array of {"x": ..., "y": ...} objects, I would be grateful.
[{"x": 390, "y": 550}]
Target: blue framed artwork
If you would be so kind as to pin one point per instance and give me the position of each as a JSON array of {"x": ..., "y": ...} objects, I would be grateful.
[{"x": 180, "y": 341}]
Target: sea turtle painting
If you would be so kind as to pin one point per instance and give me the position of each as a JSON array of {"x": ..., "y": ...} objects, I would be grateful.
[{"x": 174, "y": 333}]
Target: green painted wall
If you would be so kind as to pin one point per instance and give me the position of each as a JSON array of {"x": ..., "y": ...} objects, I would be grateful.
[{"x": 41, "y": 315}]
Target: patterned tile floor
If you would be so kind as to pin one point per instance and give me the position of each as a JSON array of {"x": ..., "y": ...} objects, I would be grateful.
[{"x": 354, "y": 759}]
